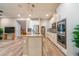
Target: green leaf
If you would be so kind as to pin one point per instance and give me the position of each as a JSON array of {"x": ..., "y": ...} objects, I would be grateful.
[
  {"x": 77, "y": 25},
  {"x": 1, "y": 30},
  {"x": 76, "y": 32},
  {"x": 76, "y": 28},
  {"x": 77, "y": 45},
  {"x": 76, "y": 36}
]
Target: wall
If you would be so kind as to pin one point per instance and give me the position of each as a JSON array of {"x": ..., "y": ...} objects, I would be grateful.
[
  {"x": 71, "y": 13},
  {"x": 52, "y": 20},
  {"x": 11, "y": 22},
  {"x": 18, "y": 29},
  {"x": 33, "y": 22},
  {"x": 44, "y": 22},
  {"x": 7, "y": 22}
]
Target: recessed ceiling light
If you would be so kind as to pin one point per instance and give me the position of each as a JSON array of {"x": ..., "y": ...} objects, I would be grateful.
[
  {"x": 47, "y": 15},
  {"x": 29, "y": 14},
  {"x": 19, "y": 15},
  {"x": 28, "y": 19}
]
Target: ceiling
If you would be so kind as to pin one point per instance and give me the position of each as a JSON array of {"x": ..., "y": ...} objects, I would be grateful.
[{"x": 36, "y": 10}]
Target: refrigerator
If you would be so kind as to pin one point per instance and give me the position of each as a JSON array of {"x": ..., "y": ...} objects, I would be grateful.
[{"x": 43, "y": 30}]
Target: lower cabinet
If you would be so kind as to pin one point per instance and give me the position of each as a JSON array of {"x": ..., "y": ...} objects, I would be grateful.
[
  {"x": 38, "y": 46},
  {"x": 49, "y": 48}
]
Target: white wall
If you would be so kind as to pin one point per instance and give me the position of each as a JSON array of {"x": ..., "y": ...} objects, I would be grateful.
[
  {"x": 53, "y": 20},
  {"x": 5, "y": 22},
  {"x": 44, "y": 22},
  {"x": 18, "y": 29},
  {"x": 33, "y": 22},
  {"x": 71, "y": 13},
  {"x": 11, "y": 22}
]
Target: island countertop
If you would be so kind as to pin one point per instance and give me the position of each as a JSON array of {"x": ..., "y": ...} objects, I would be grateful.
[{"x": 31, "y": 35}]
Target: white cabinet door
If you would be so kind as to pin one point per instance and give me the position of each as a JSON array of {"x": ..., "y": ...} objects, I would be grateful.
[{"x": 34, "y": 46}]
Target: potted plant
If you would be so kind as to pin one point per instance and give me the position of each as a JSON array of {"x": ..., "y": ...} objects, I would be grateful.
[
  {"x": 76, "y": 36},
  {"x": 1, "y": 33}
]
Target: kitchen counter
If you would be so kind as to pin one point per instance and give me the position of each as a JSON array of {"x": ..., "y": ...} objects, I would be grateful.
[
  {"x": 32, "y": 44},
  {"x": 53, "y": 38},
  {"x": 34, "y": 35},
  {"x": 29, "y": 35}
]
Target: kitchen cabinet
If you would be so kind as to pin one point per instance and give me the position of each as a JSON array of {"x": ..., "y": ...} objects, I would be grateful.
[
  {"x": 50, "y": 49},
  {"x": 33, "y": 45}
]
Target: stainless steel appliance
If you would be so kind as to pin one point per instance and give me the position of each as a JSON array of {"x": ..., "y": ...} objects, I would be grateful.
[
  {"x": 43, "y": 30},
  {"x": 61, "y": 33}
]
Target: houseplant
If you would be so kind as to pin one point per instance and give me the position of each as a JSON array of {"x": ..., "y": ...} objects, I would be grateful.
[
  {"x": 76, "y": 36},
  {"x": 1, "y": 33}
]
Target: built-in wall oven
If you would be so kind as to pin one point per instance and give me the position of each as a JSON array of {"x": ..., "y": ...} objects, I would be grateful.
[{"x": 61, "y": 33}]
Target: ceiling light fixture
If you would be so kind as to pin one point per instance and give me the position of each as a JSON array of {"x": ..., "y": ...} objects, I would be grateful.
[
  {"x": 30, "y": 9},
  {"x": 19, "y": 15},
  {"x": 28, "y": 19},
  {"x": 47, "y": 15},
  {"x": 29, "y": 14}
]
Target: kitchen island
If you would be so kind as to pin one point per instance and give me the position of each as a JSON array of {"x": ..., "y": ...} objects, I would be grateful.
[{"x": 33, "y": 44}]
